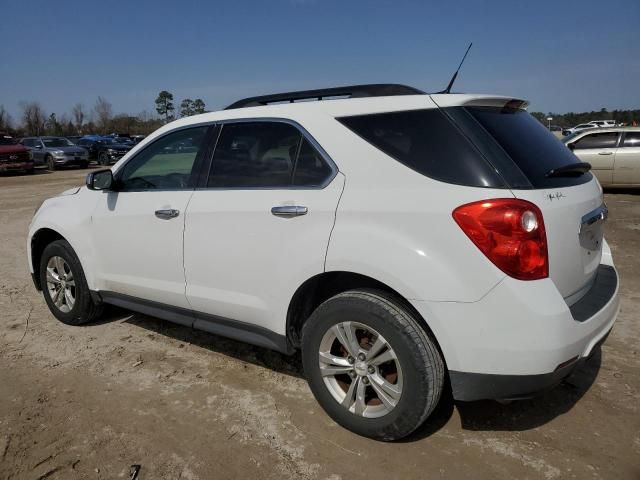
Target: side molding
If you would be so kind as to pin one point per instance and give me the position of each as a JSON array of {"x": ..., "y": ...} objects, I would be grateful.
[{"x": 244, "y": 332}]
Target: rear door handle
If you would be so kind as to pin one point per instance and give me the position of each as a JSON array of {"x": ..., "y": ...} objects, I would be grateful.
[
  {"x": 167, "y": 213},
  {"x": 289, "y": 211},
  {"x": 605, "y": 153}
]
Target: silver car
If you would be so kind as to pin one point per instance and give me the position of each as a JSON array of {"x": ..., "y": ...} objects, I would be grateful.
[
  {"x": 56, "y": 152},
  {"x": 613, "y": 152}
]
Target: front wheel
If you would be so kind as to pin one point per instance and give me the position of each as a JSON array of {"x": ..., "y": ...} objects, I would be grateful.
[
  {"x": 103, "y": 158},
  {"x": 51, "y": 164},
  {"x": 64, "y": 285},
  {"x": 371, "y": 365}
]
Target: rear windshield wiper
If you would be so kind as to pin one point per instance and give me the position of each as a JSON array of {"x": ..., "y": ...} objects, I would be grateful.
[{"x": 571, "y": 170}]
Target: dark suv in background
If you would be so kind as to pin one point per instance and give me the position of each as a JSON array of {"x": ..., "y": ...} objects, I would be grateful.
[{"x": 104, "y": 150}]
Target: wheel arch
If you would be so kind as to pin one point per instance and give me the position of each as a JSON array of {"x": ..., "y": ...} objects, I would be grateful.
[
  {"x": 39, "y": 241},
  {"x": 323, "y": 286}
]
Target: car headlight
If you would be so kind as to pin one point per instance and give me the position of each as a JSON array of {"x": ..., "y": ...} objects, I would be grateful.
[
  {"x": 111, "y": 150},
  {"x": 58, "y": 153}
]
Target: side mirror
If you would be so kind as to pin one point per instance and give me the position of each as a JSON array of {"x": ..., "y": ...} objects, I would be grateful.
[
  {"x": 39, "y": 147},
  {"x": 571, "y": 146},
  {"x": 100, "y": 180}
]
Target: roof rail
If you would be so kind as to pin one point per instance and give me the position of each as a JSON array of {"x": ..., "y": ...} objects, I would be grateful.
[{"x": 351, "y": 91}]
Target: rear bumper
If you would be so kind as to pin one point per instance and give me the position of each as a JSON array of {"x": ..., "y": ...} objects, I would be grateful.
[
  {"x": 469, "y": 387},
  {"x": 522, "y": 337}
]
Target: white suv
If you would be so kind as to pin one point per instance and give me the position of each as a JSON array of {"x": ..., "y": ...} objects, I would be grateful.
[{"x": 405, "y": 242}]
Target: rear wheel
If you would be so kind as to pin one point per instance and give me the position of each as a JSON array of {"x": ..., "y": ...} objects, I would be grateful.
[
  {"x": 64, "y": 285},
  {"x": 370, "y": 364},
  {"x": 103, "y": 158}
]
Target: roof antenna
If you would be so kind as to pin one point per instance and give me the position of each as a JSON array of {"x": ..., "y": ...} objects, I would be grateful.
[{"x": 455, "y": 75}]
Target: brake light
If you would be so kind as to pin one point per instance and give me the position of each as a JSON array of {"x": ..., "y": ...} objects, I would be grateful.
[{"x": 510, "y": 232}]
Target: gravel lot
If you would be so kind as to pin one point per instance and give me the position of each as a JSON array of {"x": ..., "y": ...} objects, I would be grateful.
[{"x": 87, "y": 402}]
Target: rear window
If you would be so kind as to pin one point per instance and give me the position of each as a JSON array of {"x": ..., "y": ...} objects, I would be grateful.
[
  {"x": 428, "y": 142},
  {"x": 533, "y": 149}
]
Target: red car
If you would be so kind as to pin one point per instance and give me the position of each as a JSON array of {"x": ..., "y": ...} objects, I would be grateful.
[{"x": 14, "y": 156}]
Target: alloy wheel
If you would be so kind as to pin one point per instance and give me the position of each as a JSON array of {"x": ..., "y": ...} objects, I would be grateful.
[
  {"x": 61, "y": 284},
  {"x": 360, "y": 369}
]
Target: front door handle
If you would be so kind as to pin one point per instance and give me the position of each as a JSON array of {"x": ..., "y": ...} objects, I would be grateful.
[
  {"x": 167, "y": 213},
  {"x": 605, "y": 153},
  {"x": 289, "y": 211}
]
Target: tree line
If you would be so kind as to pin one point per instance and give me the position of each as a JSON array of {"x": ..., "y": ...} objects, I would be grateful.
[
  {"x": 98, "y": 120},
  {"x": 572, "y": 119}
]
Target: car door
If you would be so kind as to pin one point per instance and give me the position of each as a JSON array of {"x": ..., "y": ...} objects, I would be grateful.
[
  {"x": 138, "y": 228},
  {"x": 598, "y": 149},
  {"x": 260, "y": 225},
  {"x": 627, "y": 164}
]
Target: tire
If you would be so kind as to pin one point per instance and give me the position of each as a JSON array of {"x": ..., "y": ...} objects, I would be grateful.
[
  {"x": 103, "y": 159},
  {"x": 30, "y": 171},
  {"x": 418, "y": 366},
  {"x": 83, "y": 309},
  {"x": 84, "y": 165},
  {"x": 51, "y": 165}
]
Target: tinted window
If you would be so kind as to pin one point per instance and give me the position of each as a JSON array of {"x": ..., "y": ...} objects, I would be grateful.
[
  {"x": 311, "y": 169},
  {"x": 533, "y": 149},
  {"x": 254, "y": 154},
  {"x": 166, "y": 163},
  {"x": 597, "y": 140},
  {"x": 56, "y": 142},
  {"x": 632, "y": 139},
  {"x": 427, "y": 142}
]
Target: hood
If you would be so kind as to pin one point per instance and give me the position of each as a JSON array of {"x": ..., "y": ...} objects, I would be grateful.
[
  {"x": 17, "y": 148},
  {"x": 68, "y": 150},
  {"x": 119, "y": 147}
]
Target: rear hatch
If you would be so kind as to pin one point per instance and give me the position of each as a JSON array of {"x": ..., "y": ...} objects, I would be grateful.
[{"x": 537, "y": 167}]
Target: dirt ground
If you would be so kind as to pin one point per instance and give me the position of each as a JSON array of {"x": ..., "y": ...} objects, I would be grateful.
[{"x": 88, "y": 402}]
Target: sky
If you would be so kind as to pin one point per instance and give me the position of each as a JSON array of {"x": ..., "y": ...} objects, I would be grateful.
[{"x": 560, "y": 55}]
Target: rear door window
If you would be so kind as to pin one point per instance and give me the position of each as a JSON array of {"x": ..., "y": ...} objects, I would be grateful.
[
  {"x": 597, "y": 140},
  {"x": 631, "y": 139},
  {"x": 533, "y": 149},
  {"x": 266, "y": 155}
]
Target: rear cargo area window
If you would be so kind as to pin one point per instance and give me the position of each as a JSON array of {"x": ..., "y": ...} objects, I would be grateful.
[
  {"x": 533, "y": 149},
  {"x": 428, "y": 142}
]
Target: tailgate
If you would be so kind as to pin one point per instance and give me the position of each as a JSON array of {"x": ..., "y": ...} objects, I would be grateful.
[{"x": 573, "y": 218}]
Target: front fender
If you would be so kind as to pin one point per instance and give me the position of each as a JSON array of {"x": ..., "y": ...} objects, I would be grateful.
[{"x": 70, "y": 217}]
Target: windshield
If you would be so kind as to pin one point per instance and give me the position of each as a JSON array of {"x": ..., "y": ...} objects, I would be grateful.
[
  {"x": 56, "y": 142},
  {"x": 5, "y": 140}
]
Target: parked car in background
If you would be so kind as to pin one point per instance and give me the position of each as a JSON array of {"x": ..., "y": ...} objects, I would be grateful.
[
  {"x": 613, "y": 152},
  {"x": 603, "y": 123},
  {"x": 137, "y": 138},
  {"x": 577, "y": 128},
  {"x": 56, "y": 152},
  {"x": 13, "y": 156},
  {"x": 410, "y": 245},
  {"x": 105, "y": 150}
]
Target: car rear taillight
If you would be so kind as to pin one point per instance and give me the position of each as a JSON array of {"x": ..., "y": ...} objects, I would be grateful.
[{"x": 510, "y": 232}]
